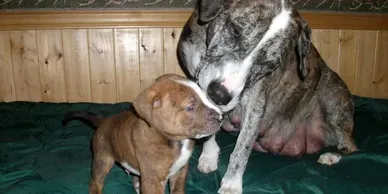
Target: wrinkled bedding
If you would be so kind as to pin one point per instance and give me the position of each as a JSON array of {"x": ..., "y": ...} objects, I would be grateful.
[{"x": 39, "y": 155}]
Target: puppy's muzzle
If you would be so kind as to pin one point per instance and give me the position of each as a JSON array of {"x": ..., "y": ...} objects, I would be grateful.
[
  {"x": 218, "y": 93},
  {"x": 213, "y": 115}
]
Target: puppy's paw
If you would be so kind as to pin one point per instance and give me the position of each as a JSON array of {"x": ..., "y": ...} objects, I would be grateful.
[
  {"x": 233, "y": 186},
  {"x": 329, "y": 158},
  {"x": 208, "y": 162}
]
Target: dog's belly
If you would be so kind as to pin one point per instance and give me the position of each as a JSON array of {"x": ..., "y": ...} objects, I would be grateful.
[{"x": 293, "y": 138}]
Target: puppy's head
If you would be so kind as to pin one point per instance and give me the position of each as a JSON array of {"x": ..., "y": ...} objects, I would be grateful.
[
  {"x": 243, "y": 41},
  {"x": 178, "y": 108}
]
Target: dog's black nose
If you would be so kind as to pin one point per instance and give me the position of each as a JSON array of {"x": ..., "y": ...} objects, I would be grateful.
[{"x": 218, "y": 93}]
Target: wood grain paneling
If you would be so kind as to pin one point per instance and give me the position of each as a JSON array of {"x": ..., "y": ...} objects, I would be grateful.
[
  {"x": 380, "y": 78},
  {"x": 51, "y": 66},
  {"x": 326, "y": 42},
  {"x": 127, "y": 64},
  {"x": 366, "y": 53},
  {"x": 151, "y": 55},
  {"x": 77, "y": 67},
  {"x": 347, "y": 55},
  {"x": 102, "y": 65},
  {"x": 7, "y": 83},
  {"x": 114, "y": 65},
  {"x": 170, "y": 42},
  {"x": 25, "y": 64}
]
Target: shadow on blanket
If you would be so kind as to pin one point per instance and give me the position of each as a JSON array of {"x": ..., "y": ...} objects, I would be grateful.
[{"x": 38, "y": 155}]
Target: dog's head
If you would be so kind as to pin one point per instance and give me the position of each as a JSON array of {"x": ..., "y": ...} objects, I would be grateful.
[
  {"x": 244, "y": 40},
  {"x": 178, "y": 108}
]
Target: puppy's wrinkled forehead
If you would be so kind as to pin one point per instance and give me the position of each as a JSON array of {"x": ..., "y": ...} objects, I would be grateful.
[{"x": 189, "y": 88}]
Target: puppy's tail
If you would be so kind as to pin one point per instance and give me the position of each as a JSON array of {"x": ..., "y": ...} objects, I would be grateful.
[{"x": 84, "y": 116}]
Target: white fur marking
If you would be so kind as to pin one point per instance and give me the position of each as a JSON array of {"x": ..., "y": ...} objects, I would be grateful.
[
  {"x": 208, "y": 161},
  {"x": 199, "y": 136},
  {"x": 231, "y": 186},
  {"x": 329, "y": 158},
  {"x": 235, "y": 75},
  {"x": 129, "y": 168},
  {"x": 185, "y": 154},
  {"x": 201, "y": 95},
  {"x": 192, "y": 56}
]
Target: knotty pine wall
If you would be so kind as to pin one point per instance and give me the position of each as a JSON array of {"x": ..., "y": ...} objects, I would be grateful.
[{"x": 114, "y": 64}]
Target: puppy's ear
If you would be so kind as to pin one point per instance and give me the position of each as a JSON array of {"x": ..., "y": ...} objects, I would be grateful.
[
  {"x": 145, "y": 103},
  {"x": 303, "y": 47},
  {"x": 209, "y": 9}
]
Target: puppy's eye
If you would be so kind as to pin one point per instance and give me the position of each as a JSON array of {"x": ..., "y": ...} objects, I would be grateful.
[{"x": 190, "y": 107}]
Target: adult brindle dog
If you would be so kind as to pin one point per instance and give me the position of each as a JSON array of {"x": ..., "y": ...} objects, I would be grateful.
[{"x": 255, "y": 60}]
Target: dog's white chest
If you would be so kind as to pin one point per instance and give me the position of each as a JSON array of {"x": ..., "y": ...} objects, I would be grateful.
[{"x": 183, "y": 158}]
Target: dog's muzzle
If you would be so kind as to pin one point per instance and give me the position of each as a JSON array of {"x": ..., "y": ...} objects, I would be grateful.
[{"x": 218, "y": 93}]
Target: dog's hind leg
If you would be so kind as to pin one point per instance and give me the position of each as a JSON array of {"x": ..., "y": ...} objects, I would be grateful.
[
  {"x": 101, "y": 166},
  {"x": 339, "y": 120}
]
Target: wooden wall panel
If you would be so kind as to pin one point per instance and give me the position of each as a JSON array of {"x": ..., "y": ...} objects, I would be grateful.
[
  {"x": 366, "y": 53},
  {"x": 347, "y": 56},
  {"x": 380, "y": 78},
  {"x": 114, "y": 65},
  {"x": 102, "y": 65},
  {"x": 25, "y": 64},
  {"x": 7, "y": 83},
  {"x": 52, "y": 71},
  {"x": 151, "y": 55},
  {"x": 326, "y": 42},
  {"x": 170, "y": 40},
  {"x": 127, "y": 64},
  {"x": 77, "y": 67}
]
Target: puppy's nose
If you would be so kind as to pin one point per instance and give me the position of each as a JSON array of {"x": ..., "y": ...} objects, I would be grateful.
[
  {"x": 213, "y": 115},
  {"x": 218, "y": 93}
]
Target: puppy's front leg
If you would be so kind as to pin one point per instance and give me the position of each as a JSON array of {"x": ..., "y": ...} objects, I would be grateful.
[
  {"x": 178, "y": 180},
  {"x": 150, "y": 184},
  {"x": 252, "y": 114},
  {"x": 208, "y": 161}
]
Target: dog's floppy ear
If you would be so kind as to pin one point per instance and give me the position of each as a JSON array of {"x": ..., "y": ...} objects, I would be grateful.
[
  {"x": 209, "y": 9},
  {"x": 303, "y": 47},
  {"x": 145, "y": 103}
]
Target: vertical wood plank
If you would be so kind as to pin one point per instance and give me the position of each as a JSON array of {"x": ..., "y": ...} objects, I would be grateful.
[
  {"x": 7, "y": 84},
  {"x": 326, "y": 42},
  {"x": 102, "y": 66},
  {"x": 347, "y": 57},
  {"x": 151, "y": 55},
  {"x": 170, "y": 42},
  {"x": 25, "y": 64},
  {"x": 365, "y": 62},
  {"x": 77, "y": 71},
  {"x": 380, "y": 80},
  {"x": 52, "y": 73},
  {"x": 127, "y": 64}
]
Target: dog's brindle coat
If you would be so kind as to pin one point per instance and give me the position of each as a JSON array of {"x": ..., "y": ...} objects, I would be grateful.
[{"x": 256, "y": 61}]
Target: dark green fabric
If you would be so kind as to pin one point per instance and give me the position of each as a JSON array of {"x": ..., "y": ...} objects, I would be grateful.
[{"x": 38, "y": 155}]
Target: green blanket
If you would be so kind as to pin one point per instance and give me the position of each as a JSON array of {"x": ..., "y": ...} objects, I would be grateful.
[{"x": 38, "y": 155}]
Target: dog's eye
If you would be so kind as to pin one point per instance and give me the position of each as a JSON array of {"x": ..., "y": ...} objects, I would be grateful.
[{"x": 190, "y": 107}]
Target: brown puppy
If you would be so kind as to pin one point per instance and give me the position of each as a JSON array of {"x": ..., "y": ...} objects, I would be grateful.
[{"x": 155, "y": 140}]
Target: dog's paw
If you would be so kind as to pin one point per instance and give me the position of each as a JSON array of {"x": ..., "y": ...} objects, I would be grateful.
[
  {"x": 329, "y": 158},
  {"x": 233, "y": 186},
  {"x": 208, "y": 162}
]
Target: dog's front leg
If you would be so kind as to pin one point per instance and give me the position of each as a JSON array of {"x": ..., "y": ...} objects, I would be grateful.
[
  {"x": 208, "y": 161},
  {"x": 253, "y": 112},
  {"x": 178, "y": 180}
]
